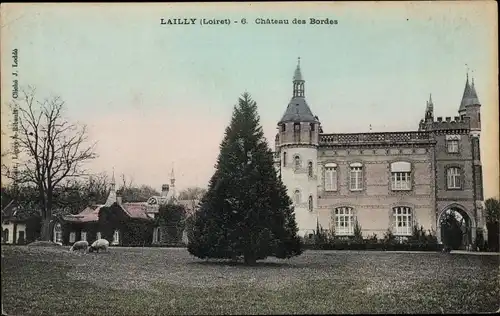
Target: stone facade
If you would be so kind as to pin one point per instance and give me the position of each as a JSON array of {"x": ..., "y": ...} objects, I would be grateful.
[{"x": 383, "y": 181}]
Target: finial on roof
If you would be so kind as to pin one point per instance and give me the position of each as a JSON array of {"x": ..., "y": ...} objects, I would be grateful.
[
  {"x": 430, "y": 98},
  {"x": 297, "y": 76}
]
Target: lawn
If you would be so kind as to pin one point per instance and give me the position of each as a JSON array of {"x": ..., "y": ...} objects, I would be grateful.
[{"x": 162, "y": 281}]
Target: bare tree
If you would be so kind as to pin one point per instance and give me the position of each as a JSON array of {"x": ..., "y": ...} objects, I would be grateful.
[
  {"x": 193, "y": 194},
  {"x": 52, "y": 149}
]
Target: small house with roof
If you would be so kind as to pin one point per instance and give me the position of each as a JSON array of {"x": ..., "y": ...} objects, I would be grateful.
[
  {"x": 13, "y": 224},
  {"x": 130, "y": 223}
]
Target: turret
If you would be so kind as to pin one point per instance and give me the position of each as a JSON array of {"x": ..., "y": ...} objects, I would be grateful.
[
  {"x": 298, "y": 124},
  {"x": 470, "y": 107},
  {"x": 297, "y": 154}
]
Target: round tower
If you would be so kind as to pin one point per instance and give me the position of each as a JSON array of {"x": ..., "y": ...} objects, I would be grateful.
[{"x": 297, "y": 146}]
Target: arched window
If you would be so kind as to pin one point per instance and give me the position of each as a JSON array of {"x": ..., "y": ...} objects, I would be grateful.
[
  {"x": 284, "y": 159},
  {"x": 331, "y": 177},
  {"x": 283, "y": 128},
  {"x": 453, "y": 178},
  {"x": 356, "y": 176},
  {"x": 403, "y": 221},
  {"x": 297, "y": 162},
  {"x": 98, "y": 235},
  {"x": 296, "y": 197},
  {"x": 57, "y": 233},
  {"x": 83, "y": 236},
  {"x": 400, "y": 176},
  {"x": 72, "y": 237},
  {"x": 344, "y": 221},
  {"x": 311, "y": 206},
  {"x": 5, "y": 235},
  {"x": 310, "y": 169}
]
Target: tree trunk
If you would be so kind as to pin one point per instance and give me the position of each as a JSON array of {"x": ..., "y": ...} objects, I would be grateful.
[
  {"x": 45, "y": 233},
  {"x": 250, "y": 259}
]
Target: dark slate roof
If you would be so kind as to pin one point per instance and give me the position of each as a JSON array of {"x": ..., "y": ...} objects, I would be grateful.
[
  {"x": 469, "y": 97},
  {"x": 298, "y": 111}
]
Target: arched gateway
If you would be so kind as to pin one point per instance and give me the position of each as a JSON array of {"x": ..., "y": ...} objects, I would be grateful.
[{"x": 456, "y": 226}]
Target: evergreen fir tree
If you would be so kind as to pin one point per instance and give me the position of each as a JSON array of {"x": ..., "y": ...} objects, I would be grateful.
[{"x": 246, "y": 212}]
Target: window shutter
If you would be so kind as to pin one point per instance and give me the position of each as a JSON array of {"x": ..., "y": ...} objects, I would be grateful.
[{"x": 334, "y": 179}]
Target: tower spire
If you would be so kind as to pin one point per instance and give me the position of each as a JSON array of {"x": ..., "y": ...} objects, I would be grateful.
[
  {"x": 112, "y": 191},
  {"x": 429, "y": 109},
  {"x": 298, "y": 82},
  {"x": 470, "y": 96}
]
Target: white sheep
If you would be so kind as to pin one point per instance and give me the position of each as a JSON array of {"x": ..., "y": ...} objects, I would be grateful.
[
  {"x": 100, "y": 244},
  {"x": 79, "y": 245}
]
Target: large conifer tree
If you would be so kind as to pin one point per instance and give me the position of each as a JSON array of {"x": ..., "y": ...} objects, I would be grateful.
[{"x": 246, "y": 212}]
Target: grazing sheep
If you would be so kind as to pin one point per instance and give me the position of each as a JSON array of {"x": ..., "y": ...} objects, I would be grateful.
[
  {"x": 79, "y": 245},
  {"x": 100, "y": 244}
]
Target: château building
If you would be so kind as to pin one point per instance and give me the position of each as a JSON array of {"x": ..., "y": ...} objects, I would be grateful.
[{"x": 383, "y": 181}]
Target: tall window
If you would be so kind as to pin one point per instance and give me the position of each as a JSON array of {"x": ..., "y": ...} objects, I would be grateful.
[
  {"x": 356, "y": 178},
  {"x": 83, "y": 236},
  {"x": 296, "y": 132},
  {"x": 344, "y": 221},
  {"x": 310, "y": 169},
  {"x": 453, "y": 178},
  {"x": 284, "y": 159},
  {"x": 57, "y": 233},
  {"x": 331, "y": 177},
  {"x": 297, "y": 162},
  {"x": 311, "y": 206},
  {"x": 72, "y": 237},
  {"x": 403, "y": 221},
  {"x": 401, "y": 176},
  {"x": 452, "y": 145},
  {"x": 296, "y": 196},
  {"x": 116, "y": 237},
  {"x": 98, "y": 235}
]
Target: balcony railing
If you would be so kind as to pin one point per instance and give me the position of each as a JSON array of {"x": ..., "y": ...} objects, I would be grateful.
[{"x": 385, "y": 138}]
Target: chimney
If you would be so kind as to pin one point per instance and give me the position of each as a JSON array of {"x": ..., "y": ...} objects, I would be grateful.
[
  {"x": 448, "y": 119},
  {"x": 164, "y": 189},
  {"x": 440, "y": 119}
]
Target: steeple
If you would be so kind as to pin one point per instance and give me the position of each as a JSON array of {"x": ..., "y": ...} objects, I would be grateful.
[
  {"x": 298, "y": 110},
  {"x": 172, "y": 178},
  {"x": 429, "y": 110},
  {"x": 469, "y": 97},
  {"x": 112, "y": 191},
  {"x": 298, "y": 82}
]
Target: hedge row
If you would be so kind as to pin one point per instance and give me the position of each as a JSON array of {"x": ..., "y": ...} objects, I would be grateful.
[{"x": 404, "y": 246}]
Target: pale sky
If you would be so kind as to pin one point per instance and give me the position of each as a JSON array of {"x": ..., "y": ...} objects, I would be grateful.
[{"x": 156, "y": 95}]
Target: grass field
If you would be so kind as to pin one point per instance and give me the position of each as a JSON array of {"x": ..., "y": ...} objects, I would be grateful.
[{"x": 161, "y": 281}]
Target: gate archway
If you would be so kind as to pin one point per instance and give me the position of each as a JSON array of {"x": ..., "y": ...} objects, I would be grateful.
[{"x": 456, "y": 227}]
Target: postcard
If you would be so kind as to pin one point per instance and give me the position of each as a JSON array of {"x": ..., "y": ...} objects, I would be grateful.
[{"x": 250, "y": 158}]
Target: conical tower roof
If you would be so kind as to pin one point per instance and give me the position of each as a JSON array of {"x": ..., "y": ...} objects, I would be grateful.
[
  {"x": 470, "y": 96},
  {"x": 297, "y": 109}
]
